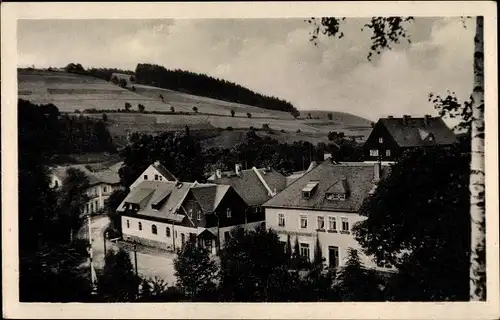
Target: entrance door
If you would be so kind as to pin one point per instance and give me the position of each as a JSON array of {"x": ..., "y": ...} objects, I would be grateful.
[{"x": 333, "y": 256}]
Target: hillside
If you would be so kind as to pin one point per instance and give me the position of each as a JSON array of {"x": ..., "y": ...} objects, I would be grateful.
[{"x": 69, "y": 92}]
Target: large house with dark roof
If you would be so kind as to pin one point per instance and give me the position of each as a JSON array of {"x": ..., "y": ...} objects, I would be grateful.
[
  {"x": 391, "y": 136},
  {"x": 164, "y": 214},
  {"x": 324, "y": 203},
  {"x": 102, "y": 182},
  {"x": 255, "y": 186}
]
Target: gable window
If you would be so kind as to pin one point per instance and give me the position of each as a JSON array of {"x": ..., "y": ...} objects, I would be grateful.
[
  {"x": 145, "y": 177},
  {"x": 387, "y": 153},
  {"x": 281, "y": 220},
  {"x": 198, "y": 215},
  {"x": 168, "y": 232},
  {"x": 161, "y": 178},
  {"x": 156, "y": 177},
  {"x": 140, "y": 226},
  {"x": 380, "y": 140},
  {"x": 153, "y": 229},
  {"x": 128, "y": 223},
  {"x": 228, "y": 212},
  {"x": 303, "y": 222},
  {"x": 374, "y": 153},
  {"x": 345, "y": 224},
  {"x": 332, "y": 224},
  {"x": 304, "y": 250},
  {"x": 321, "y": 223}
]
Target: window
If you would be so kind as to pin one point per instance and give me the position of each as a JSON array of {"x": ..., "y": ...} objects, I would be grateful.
[
  {"x": 226, "y": 235},
  {"x": 104, "y": 189},
  {"x": 387, "y": 153},
  {"x": 198, "y": 215},
  {"x": 306, "y": 194},
  {"x": 87, "y": 208},
  {"x": 380, "y": 140},
  {"x": 175, "y": 234},
  {"x": 374, "y": 153},
  {"x": 128, "y": 223},
  {"x": 140, "y": 226},
  {"x": 345, "y": 224},
  {"x": 145, "y": 177},
  {"x": 321, "y": 223},
  {"x": 168, "y": 232},
  {"x": 228, "y": 212},
  {"x": 281, "y": 220},
  {"x": 96, "y": 205},
  {"x": 190, "y": 212},
  {"x": 153, "y": 229},
  {"x": 91, "y": 207},
  {"x": 332, "y": 223},
  {"x": 304, "y": 250},
  {"x": 342, "y": 196},
  {"x": 161, "y": 178},
  {"x": 303, "y": 222},
  {"x": 156, "y": 177},
  {"x": 333, "y": 256}
]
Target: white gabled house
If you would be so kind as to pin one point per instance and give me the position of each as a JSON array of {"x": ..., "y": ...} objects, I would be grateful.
[
  {"x": 155, "y": 172},
  {"x": 323, "y": 203}
]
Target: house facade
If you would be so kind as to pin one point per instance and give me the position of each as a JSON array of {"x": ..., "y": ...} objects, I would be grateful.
[
  {"x": 323, "y": 204},
  {"x": 164, "y": 214},
  {"x": 391, "y": 136},
  {"x": 255, "y": 186},
  {"x": 155, "y": 172},
  {"x": 102, "y": 182}
]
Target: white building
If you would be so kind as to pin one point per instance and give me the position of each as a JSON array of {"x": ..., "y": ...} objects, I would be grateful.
[
  {"x": 101, "y": 181},
  {"x": 155, "y": 172},
  {"x": 323, "y": 203}
]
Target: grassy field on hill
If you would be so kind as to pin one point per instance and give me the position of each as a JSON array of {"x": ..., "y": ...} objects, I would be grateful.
[{"x": 70, "y": 92}]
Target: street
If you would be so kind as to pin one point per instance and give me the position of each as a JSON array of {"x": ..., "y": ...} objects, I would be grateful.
[{"x": 150, "y": 263}]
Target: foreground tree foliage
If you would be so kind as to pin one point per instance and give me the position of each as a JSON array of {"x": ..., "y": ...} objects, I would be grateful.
[
  {"x": 357, "y": 283},
  {"x": 195, "y": 271},
  {"x": 418, "y": 221},
  {"x": 118, "y": 281}
]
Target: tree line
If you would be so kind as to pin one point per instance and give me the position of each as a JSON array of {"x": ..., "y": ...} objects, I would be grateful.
[
  {"x": 204, "y": 85},
  {"x": 65, "y": 134}
]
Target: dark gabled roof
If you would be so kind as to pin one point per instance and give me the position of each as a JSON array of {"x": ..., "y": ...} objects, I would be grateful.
[
  {"x": 168, "y": 196},
  {"x": 163, "y": 171},
  {"x": 340, "y": 186},
  {"x": 359, "y": 179},
  {"x": 417, "y": 131},
  {"x": 248, "y": 185}
]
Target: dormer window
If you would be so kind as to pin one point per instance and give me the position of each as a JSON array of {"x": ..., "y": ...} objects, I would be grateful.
[
  {"x": 342, "y": 196},
  {"x": 309, "y": 189}
]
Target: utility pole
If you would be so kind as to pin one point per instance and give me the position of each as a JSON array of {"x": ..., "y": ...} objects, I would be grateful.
[
  {"x": 135, "y": 259},
  {"x": 105, "y": 236},
  {"x": 93, "y": 276}
]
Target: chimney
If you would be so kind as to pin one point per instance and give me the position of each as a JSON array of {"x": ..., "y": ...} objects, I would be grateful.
[
  {"x": 157, "y": 163},
  {"x": 405, "y": 119},
  {"x": 376, "y": 172},
  {"x": 327, "y": 156},
  {"x": 218, "y": 173},
  {"x": 237, "y": 169},
  {"x": 427, "y": 119},
  {"x": 390, "y": 117}
]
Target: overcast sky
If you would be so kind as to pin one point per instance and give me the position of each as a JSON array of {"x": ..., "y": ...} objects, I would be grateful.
[{"x": 273, "y": 57}]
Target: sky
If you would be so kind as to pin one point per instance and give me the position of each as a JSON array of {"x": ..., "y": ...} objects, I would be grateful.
[{"x": 273, "y": 57}]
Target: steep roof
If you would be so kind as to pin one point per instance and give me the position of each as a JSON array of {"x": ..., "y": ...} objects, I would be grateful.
[
  {"x": 163, "y": 171},
  {"x": 248, "y": 185},
  {"x": 359, "y": 180},
  {"x": 169, "y": 196},
  {"x": 107, "y": 176},
  {"x": 417, "y": 131}
]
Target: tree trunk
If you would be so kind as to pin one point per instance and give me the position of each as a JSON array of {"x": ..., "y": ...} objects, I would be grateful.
[{"x": 477, "y": 208}]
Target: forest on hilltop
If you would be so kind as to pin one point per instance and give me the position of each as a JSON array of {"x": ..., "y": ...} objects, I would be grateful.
[{"x": 204, "y": 85}]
